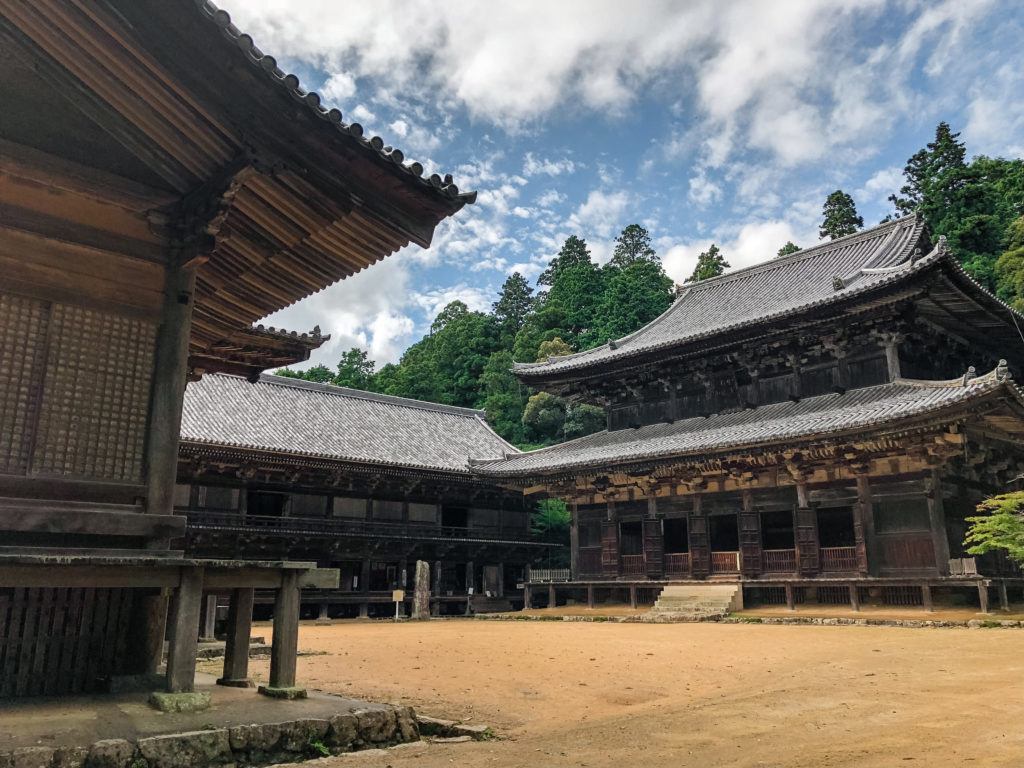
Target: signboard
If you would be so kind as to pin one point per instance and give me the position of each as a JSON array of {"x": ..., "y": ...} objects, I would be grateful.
[{"x": 398, "y": 595}]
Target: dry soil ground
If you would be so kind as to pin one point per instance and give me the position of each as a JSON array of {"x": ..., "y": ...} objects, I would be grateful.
[{"x": 609, "y": 694}]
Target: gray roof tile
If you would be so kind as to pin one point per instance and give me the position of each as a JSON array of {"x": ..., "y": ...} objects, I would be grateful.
[
  {"x": 859, "y": 409},
  {"x": 823, "y": 274},
  {"x": 318, "y": 420}
]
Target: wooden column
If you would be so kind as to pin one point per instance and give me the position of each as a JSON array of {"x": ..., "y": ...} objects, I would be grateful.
[
  {"x": 654, "y": 540},
  {"x": 610, "y": 544},
  {"x": 983, "y": 597},
  {"x": 926, "y": 597},
  {"x": 285, "y": 646},
  {"x": 590, "y": 595},
  {"x": 750, "y": 535},
  {"x": 1004, "y": 598},
  {"x": 209, "y": 617},
  {"x": 364, "y": 576},
  {"x": 632, "y": 595},
  {"x": 864, "y": 528},
  {"x": 805, "y": 533},
  {"x": 185, "y": 608},
  {"x": 892, "y": 356},
  {"x": 527, "y": 598},
  {"x": 501, "y": 579},
  {"x": 146, "y": 633},
  {"x": 239, "y": 631},
  {"x": 700, "y": 546},
  {"x": 574, "y": 541},
  {"x": 937, "y": 522},
  {"x": 790, "y": 597},
  {"x": 169, "y": 377},
  {"x": 854, "y": 597},
  {"x": 552, "y": 596}
]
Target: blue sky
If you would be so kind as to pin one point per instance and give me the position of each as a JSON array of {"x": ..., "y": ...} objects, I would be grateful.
[{"x": 715, "y": 121}]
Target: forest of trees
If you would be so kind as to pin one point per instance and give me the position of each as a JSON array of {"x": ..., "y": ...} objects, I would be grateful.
[{"x": 466, "y": 358}]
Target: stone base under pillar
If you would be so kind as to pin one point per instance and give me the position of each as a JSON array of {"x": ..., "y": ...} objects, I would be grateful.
[
  {"x": 282, "y": 693},
  {"x": 180, "y": 702},
  {"x": 243, "y": 682}
]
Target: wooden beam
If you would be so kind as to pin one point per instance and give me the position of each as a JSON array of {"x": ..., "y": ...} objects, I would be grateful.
[{"x": 56, "y": 574}]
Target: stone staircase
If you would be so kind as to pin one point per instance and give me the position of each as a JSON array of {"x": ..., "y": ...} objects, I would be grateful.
[{"x": 695, "y": 602}]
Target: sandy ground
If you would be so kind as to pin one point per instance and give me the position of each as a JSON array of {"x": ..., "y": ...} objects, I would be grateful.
[{"x": 611, "y": 694}]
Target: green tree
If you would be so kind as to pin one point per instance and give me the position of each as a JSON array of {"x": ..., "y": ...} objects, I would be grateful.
[
  {"x": 355, "y": 370},
  {"x": 514, "y": 304},
  {"x": 788, "y": 248},
  {"x": 710, "y": 263},
  {"x": 574, "y": 253},
  {"x": 583, "y": 419},
  {"x": 550, "y": 521},
  {"x": 504, "y": 397},
  {"x": 931, "y": 172},
  {"x": 840, "y": 216},
  {"x": 544, "y": 417},
  {"x": 552, "y": 348},
  {"x": 632, "y": 297},
  {"x": 321, "y": 374},
  {"x": 631, "y": 246},
  {"x": 1010, "y": 266},
  {"x": 1000, "y": 526}
]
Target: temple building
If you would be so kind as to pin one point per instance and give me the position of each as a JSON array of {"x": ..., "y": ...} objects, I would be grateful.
[
  {"x": 364, "y": 483},
  {"x": 163, "y": 186},
  {"x": 816, "y": 427}
]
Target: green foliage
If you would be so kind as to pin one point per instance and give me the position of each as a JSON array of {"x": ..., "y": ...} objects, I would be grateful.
[
  {"x": 317, "y": 748},
  {"x": 999, "y": 527},
  {"x": 355, "y": 370},
  {"x": 514, "y": 304},
  {"x": 321, "y": 374},
  {"x": 582, "y": 419},
  {"x": 504, "y": 397},
  {"x": 633, "y": 296},
  {"x": 552, "y": 348},
  {"x": 710, "y": 263},
  {"x": 840, "y": 216},
  {"x": 1010, "y": 266},
  {"x": 788, "y": 248},
  {"x": 544, "y": 416},
  {"x": 633, "y": 245}
]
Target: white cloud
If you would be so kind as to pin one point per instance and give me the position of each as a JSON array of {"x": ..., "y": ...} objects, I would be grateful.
[
  {"x": 433, "y": 301},
  {"x": 549, "y": 198},
  {"x": 339, "y": 87},
  {"x": 879, "y": 186},
  {"x": 599, "y": 215},
  {"x": 363, "y": 115},
  {"x": 995, "y": 115},
  {"x": 399, "y": 128},
  {"x": 533, "y": 165},
  {"x": 703, "y": 191}
]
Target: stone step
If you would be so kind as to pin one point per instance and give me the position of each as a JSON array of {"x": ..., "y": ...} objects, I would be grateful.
[{"x": 696, "y": 601}]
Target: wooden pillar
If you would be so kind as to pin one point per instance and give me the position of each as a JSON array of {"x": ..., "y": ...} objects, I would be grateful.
[
  {"x": 285, "y": 646},
  {"x": 437, "y": 578},
  {"x": 654, "y": 540},
  {"x": 697, "y": 531},
  {"x": 926, "y": 597},
  {"x": 750, "y": 535},
  {"x": 632, "y": 595},
  {"x": 324, "y": 617},
  {"x": 239, "y": 630},
  {"x": 790, "y": 597},
  {"x": 527, "y": 598},
  {"x": 185, "y": 608},
  {"x": 574, "y": 541},
  {"x": 892, "y": 356},
  {"x": 983, "y": 597},
  {"x": 364, "y": 610},
  {"x": 854, "y": 597},
  {"x": 1004, "y": 598},
  {"x": 501, "y": 580},
  {"x": 937, "y": 522},
  {"x": 552, "y": 596},
  {"x": 146, "y": 633},
  {"x": 170, "y": 374},
  {"x": 805, "y": 533},
  {"x": 470, "y": 578},
  {"x": 610, "y": 544},
  {"x": 864, "y": 528},
  {"x": 209, "y": 617},
  {"x": 590, "y": 595}
]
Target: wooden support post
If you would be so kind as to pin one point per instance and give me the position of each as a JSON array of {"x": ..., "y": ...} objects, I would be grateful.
[
  {"x": 364, "y": 610},
  {"x": 285, "y": 646},
  {"x": 790, "y": 597},
  {"x": 146, "y": 633},
  {"x": 632, "y": 595},
  {"x": 983, "y": 597},
  {"x": 552, "y": 596},
  {"x": 169, "y": 377},
  {"x": 590, "y": 595},
  {"x": 210, "y": 618},
  {"x": 1004, "y": 598},
  {"x": 185, "y": 608},
  {"x": 324, "y": 617},
  {"x": 527, "y": 598},
  {"x": 854, "y": 597},
  {"x": 926, "y": 597},
  {"x": 574, "y": 541},
  {"x": 700, "y": 547},
  {"x": 864, "y": 528},
  {"x": 501, "y": 580},
  {"x": 749, "y": 524},
  {"x": 239, "y": 631},
  {"x": 937, "y": 523},
  {"x": 364, "y": 576},
  {"x": 437, "y": 578},
  {"x": 892, "y": 356}
]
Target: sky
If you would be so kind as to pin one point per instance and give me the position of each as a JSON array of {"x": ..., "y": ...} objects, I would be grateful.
[{"x": 704, "y": 121}]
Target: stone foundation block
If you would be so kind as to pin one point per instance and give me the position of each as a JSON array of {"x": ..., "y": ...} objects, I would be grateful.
[
  {"x": 194, "y": 749},
  {"x": 406, "y": 721},
  {"x": 31, "y": 757},
  {"x": 69, "y": 757},
  {"x": 282, "y": 693},
  {"x": 377, "y": 726},
  {"x": 299, "y": 735},
  {"x": 343, "y": 732},
  {"x": 110, "y": 753},
  {"x": 179, "y": 702}
]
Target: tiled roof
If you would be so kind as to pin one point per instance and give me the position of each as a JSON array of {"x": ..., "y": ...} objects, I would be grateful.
[
  {"x": 820, "y": 275},
  {"x": 322, "y": 421},
  {"x": 861, "y": 409},
  {"x": 444, "y": 186}
]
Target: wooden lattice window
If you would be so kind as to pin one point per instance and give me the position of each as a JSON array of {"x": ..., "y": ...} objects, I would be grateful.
[{"x": 22, "y": 351}]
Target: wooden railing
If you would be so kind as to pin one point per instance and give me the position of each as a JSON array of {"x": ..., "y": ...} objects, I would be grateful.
[
  {"x": 838, "y": 558},
  {"x": 677, "y": 563},
  {"x": 633, "y": 565},
  {"x": 589, "y": 561},
  {"x": 779, "y": 560},
  {"x": 548, "y": 574},
  {"x": 725, "y": 562}
]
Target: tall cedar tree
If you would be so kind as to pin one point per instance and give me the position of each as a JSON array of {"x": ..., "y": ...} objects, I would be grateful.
[
  {"x": 1010, "y": 266},
  {"x": 840, "y": 216},
  {"x": 514, "y": 304},
  {"x": 788, "y": 248},
  {"x": 710, "y": 263},
  {"x": 631, "y": 246}
]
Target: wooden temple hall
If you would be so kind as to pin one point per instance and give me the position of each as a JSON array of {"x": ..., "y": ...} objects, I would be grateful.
[
  {"x": 363, "y": 483},
  {"x": 814, "y": 428},
  {"x": 163, "y": 186}
]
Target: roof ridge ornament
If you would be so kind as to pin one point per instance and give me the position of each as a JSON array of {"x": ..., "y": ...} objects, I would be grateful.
[
  {"x": 838, "y": 283},
  {"x": 1002, "y": 371},
  {"x": 970, "y": 375}
]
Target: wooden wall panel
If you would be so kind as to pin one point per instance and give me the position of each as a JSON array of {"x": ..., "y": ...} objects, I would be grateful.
[{"x": 22, "y": 350}]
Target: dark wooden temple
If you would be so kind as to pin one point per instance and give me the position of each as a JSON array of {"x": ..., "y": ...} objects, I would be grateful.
[
  {"x": 814, "y": 427},
  {"x": 363, "y": 483},
  {"x": 163, "y": 185}
]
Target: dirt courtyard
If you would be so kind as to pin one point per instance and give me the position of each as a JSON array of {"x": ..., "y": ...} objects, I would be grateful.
[{"x": 609, "y": 694}]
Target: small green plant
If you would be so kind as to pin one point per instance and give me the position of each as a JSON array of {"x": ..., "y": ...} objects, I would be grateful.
[
  {"x": 318, "y": 749},
  {"x": 138, "y": 762},
  {"x": 999, "y": 526}
]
